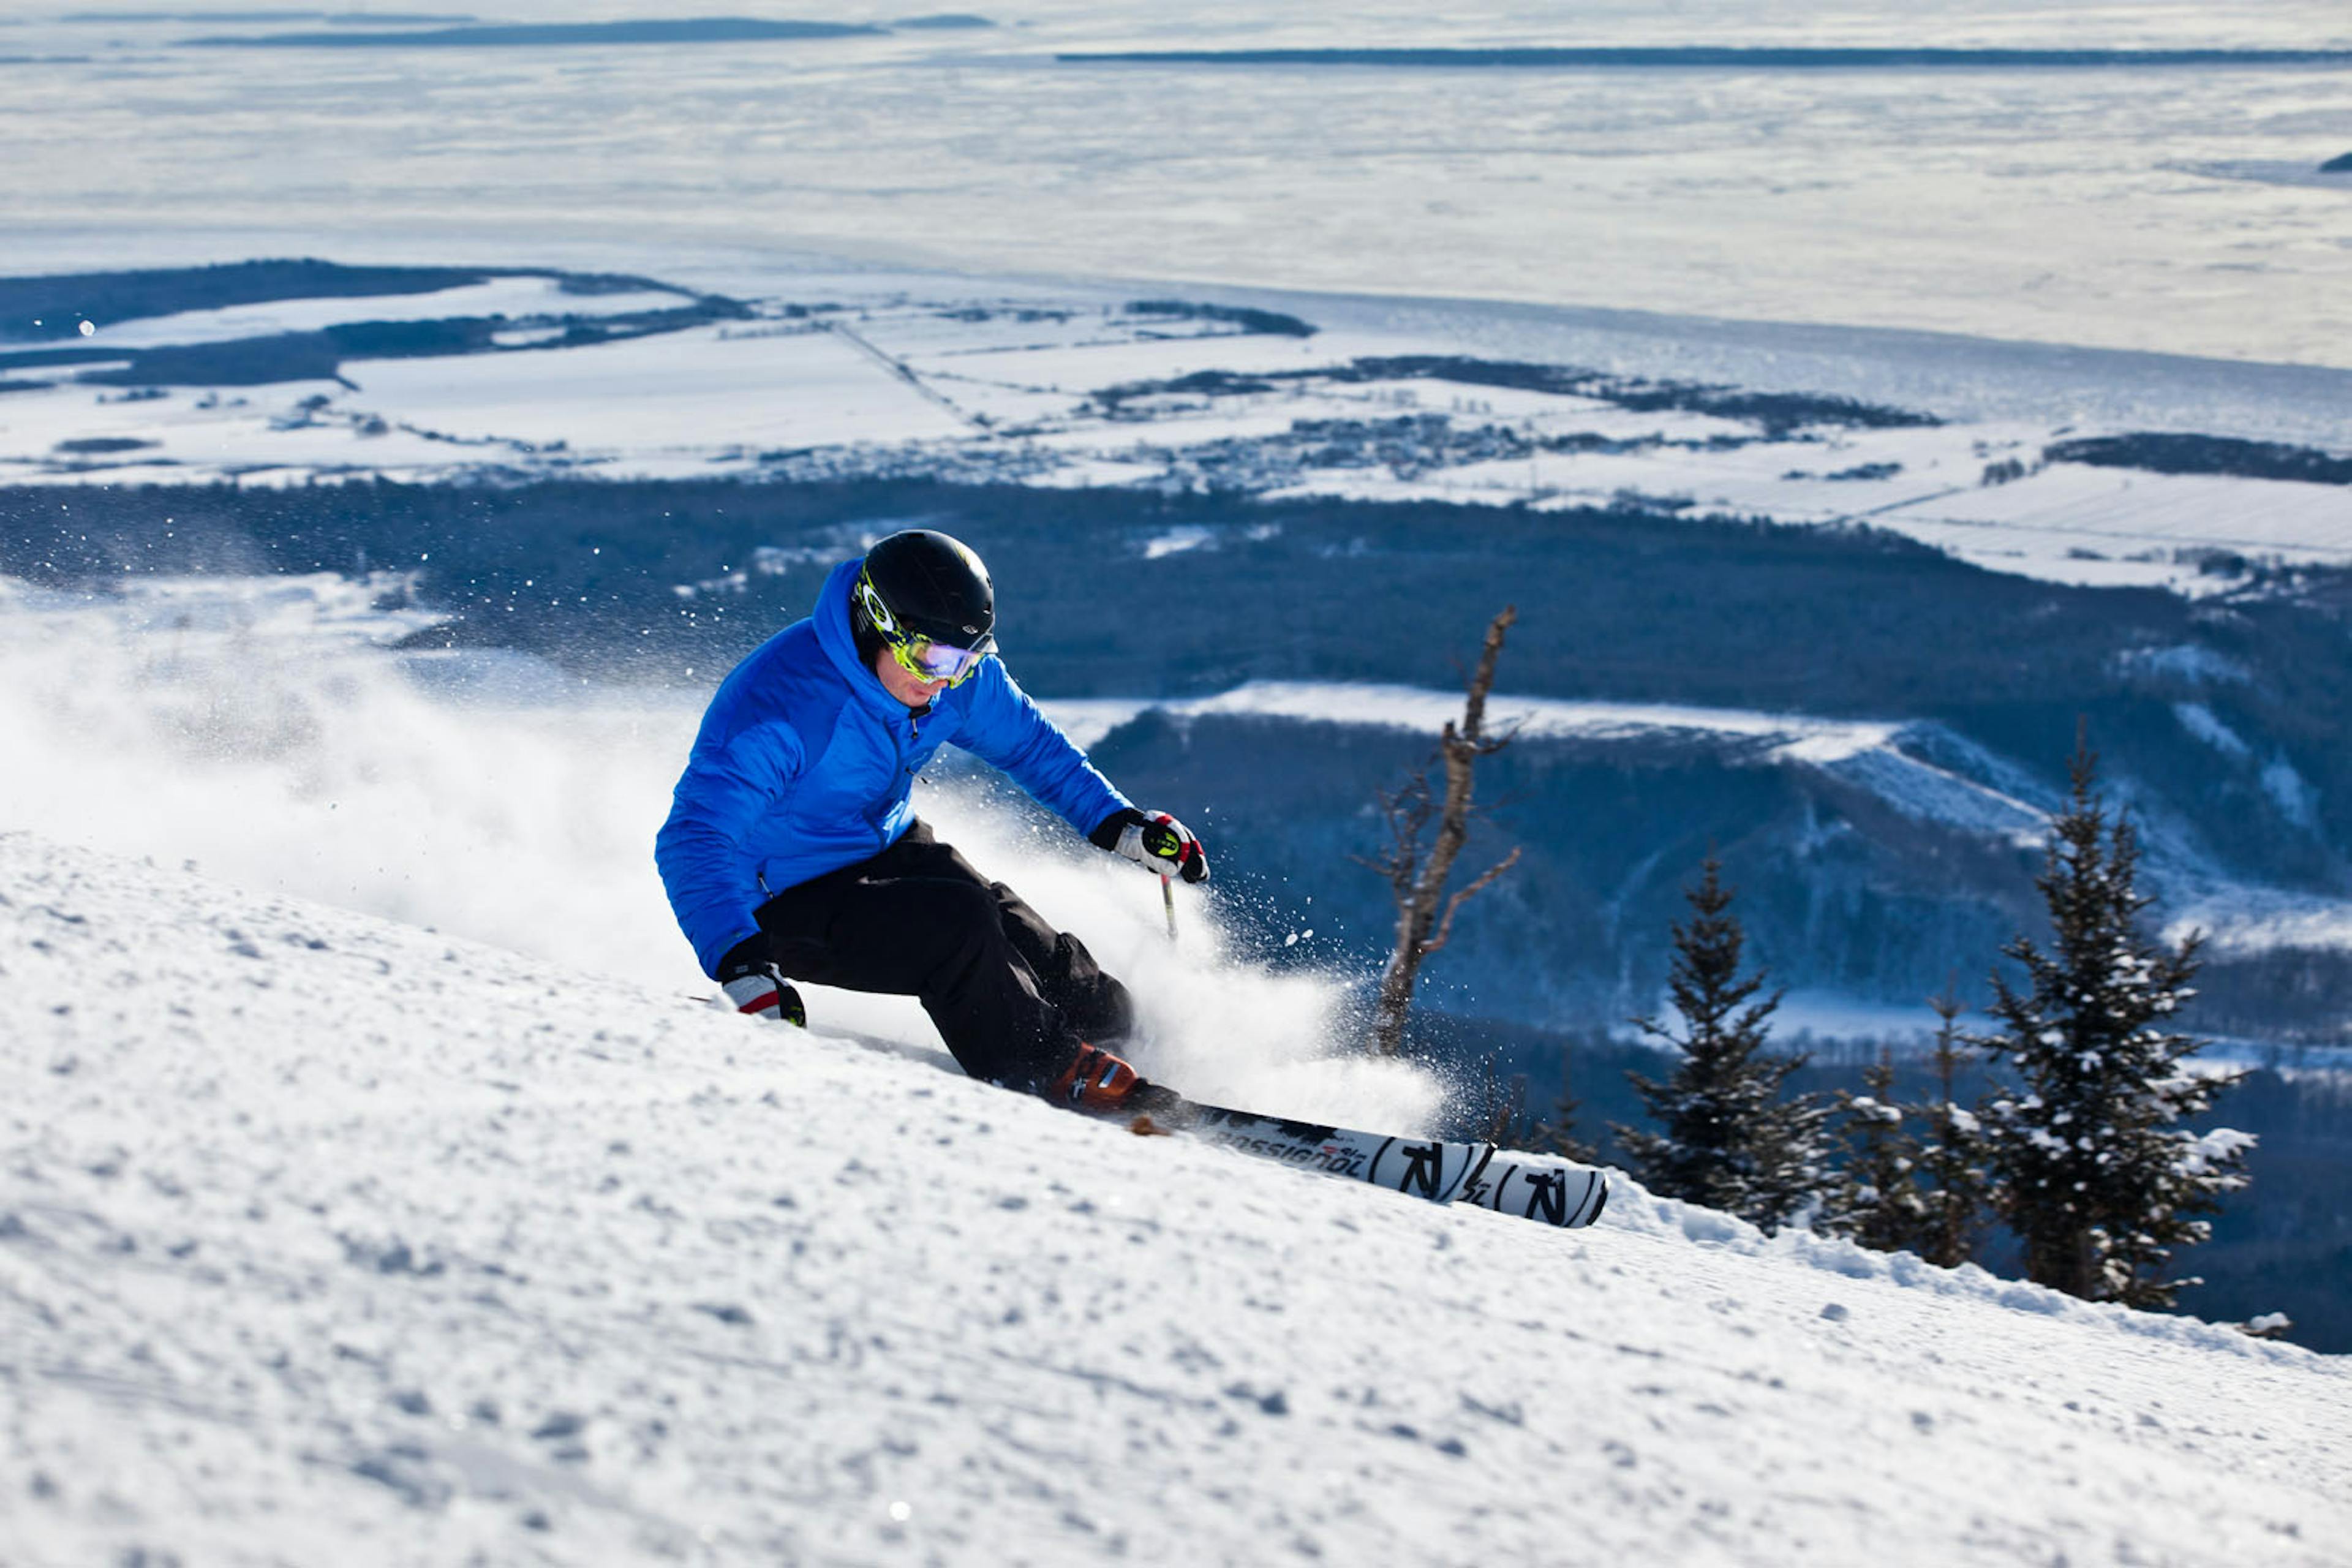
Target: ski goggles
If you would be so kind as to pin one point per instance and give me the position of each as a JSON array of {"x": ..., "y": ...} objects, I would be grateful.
[{"x": 921, "y": 657}]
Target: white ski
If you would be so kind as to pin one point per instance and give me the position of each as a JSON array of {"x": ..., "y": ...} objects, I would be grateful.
[
  {"x": 1540, "y": 1187},
  {"x": 1438, "y": 1169}
]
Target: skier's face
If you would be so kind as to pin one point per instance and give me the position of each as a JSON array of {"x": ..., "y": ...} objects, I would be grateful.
[{"x": 902, "y": 683}]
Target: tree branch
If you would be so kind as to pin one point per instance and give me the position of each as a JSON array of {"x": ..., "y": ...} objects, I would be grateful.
[
  {"x": 1473, "y": 713},
  {"x": 1445, "y": 926}
]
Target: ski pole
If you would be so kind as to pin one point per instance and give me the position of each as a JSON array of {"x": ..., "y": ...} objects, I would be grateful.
[{"x": 1168, "y": 902}]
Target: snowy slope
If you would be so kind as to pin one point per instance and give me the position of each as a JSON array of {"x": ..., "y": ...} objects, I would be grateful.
[{"x": 325, "y": 1238}]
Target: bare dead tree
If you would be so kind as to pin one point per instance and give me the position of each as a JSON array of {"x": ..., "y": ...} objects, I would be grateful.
[{"x": 1417, "y": 876}]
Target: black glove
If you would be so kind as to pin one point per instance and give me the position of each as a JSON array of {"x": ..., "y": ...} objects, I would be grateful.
[
  {"x": 752, "y": 982},
  {"x": 1153, "y": 840}
]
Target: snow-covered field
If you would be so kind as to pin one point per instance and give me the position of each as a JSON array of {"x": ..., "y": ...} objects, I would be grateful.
[
  {"x": 328, "y": 1238},
  {"x": 934, "y": 374},
  {"x": 2027, "y": 254}
]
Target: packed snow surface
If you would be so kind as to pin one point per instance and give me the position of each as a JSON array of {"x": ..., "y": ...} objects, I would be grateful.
[{"x": 328, "y": 1238}]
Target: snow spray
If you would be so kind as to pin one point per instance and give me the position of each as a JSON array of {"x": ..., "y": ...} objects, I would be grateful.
[{"x": 272, "y": 732}]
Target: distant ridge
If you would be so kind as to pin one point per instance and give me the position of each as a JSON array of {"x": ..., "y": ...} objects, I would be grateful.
[
  {"x": 691, "y": 30},
  {"x": 333, "y": 19},
  {"x": 1728, "y": 59},
  {"x": 118, "y": 16}
]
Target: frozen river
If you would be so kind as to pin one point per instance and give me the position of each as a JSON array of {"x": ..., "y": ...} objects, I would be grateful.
[{"x": 2175, "y": 209}]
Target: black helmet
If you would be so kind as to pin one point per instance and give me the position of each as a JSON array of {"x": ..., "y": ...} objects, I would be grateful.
[{"x": 927, "y": 595}]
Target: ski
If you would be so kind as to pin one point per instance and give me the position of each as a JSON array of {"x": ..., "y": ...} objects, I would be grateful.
[
  {"x": 1438, "y": 1169},
  {"x": 1540, "y": 1187}
]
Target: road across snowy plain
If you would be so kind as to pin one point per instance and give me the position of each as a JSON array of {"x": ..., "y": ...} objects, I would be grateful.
[{"x": 326, "y": 1238}]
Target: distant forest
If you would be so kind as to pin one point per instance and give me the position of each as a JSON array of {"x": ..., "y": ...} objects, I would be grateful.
[{"x": 53, "y": 306}]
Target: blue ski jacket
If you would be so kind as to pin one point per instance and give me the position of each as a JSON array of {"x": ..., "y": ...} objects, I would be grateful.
[{"x": 804, "y": 763}]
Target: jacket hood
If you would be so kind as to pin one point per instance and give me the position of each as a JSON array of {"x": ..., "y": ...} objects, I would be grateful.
[{"x": 831, "y": 618}]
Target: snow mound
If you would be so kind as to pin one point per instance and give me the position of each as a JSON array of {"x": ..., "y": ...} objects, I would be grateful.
[{"x": 324, "y": 1238}]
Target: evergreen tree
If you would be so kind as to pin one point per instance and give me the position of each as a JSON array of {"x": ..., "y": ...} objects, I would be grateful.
[
  {"x": 1914, "y": 1174},
  {"x": 1728, "y": 1139},
  {"x": 2093, "y": 1173},
  {"x": 1559, "y": 1135},
  {"x": 1508, "y": 1120},
  {"x": 1876, "y": 1199},
  {"x": 1956, "y": 1189},
  {"x": 1505, "y": 1119}
]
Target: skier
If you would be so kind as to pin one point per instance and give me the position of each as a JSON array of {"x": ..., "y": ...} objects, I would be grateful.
[{"x": 791, "y": 851}]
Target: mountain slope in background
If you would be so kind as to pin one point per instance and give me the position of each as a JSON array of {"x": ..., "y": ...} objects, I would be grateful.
[
  {"x": 323, "y": 1237},
  {"x": 1879, "y": 862}
]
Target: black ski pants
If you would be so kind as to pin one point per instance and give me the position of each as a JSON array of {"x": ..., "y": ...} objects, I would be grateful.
[{"x": 1013, "y": 997}]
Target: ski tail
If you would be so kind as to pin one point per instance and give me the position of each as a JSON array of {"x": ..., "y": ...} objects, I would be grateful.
[{"x": 1540, "y": 1187}]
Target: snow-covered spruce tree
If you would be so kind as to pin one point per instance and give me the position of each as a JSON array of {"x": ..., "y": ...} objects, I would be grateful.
[
  {"x": 1876, "y": 1198},
  {"x": 1727, "y": 1139},
  {"x": 2093, "y": 1171}
]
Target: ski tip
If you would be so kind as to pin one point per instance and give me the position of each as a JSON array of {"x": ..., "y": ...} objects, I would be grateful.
[{"x": 1547, "y": 1191}]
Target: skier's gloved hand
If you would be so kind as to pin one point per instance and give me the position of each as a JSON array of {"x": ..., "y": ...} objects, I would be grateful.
[
  {"x": 1153, "y": 840},
  {"x": 752, "y": 982}
]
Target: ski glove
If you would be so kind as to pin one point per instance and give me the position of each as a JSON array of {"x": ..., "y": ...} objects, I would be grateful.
[
  {"x": 756, "y": 986},
  {"x": 1153, "y": 840}
]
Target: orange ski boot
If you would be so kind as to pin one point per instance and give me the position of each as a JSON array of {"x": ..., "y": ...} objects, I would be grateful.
[
  {"x": 1095, "y": 1082},
  {"x": 1099, "y": 1084}
]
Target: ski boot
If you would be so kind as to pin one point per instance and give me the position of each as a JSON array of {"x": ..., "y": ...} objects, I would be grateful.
[
  {"x": 1098, "y": 1083},
  {"x": 762, "y": 991}
]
